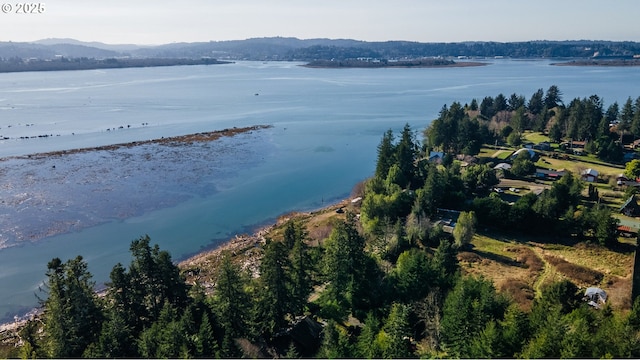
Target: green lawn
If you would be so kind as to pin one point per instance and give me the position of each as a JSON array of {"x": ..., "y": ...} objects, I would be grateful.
[
  {"x": 504, "y": 154},
  {"x": 535, "y": 137},
  {"x": 486, "y": 152},
  {"x": 576, "y": 166}
]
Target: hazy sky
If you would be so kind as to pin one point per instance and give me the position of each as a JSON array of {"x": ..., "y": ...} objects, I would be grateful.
[{"x": 166, "y": 21}]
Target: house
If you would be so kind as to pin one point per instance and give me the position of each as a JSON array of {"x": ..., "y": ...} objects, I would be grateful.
[
  {"x": 595, "y": 297},
  {"x": 621, "y": 178},
  {"x": 305, "y": 334},
  {"x": 467, "y": 159},
  {"x": 436, "y": 157},
  {"x": 573, "y": 145},
  {"x": 448, "y": 219},
  {"x": 589, "y": 175},
  {"x": 532, "y": 154},
  {"x": 630, "y": 207},
  {"x": 544, "y": 146},
  {"x": 628, "y": 156},
  {"x": 627, "y": 231},
  {"x": 549, "y": 174},
  {"x": 502, "y": 166}
]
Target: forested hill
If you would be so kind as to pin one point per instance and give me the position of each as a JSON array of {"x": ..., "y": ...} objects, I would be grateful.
[{"x": 280, "y": 48}]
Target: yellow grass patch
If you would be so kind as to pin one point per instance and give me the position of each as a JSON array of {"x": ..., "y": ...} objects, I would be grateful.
[
  {"x": 521, "y": 268},
  {"x": 535, "y": 137}
]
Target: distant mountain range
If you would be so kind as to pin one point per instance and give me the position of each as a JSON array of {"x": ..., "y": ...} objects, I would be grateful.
[{"x": 280, "y": 48}]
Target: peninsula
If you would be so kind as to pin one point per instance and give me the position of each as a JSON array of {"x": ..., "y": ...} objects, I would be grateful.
[
  {"x": 367, "y": 63},
  {"x": 601, "y": 62}
]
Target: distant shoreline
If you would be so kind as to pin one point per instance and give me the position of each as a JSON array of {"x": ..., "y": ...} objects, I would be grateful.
[
  {"x": 362, "y": 64},
  {"x": 598, "y": 62},
  {"x": 64, "y": 64}
]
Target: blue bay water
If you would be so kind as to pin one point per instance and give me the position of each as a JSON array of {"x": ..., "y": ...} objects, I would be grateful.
[{"x": 326, "y": 126}]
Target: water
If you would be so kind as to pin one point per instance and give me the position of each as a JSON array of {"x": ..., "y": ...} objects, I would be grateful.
[{"x": 326, "y": 126}]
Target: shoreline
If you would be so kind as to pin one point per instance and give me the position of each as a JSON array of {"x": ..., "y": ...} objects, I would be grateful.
[
  {"x": 328, "y": 64},
  {"x": 110, "y": 63},
  {"x": 245, "y": 249},
  {"x": 240, "y": 246},
  {"x": 599, "y": 62}
]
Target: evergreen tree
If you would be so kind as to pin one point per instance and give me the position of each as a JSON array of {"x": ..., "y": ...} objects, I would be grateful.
[
  {"x": 468, "y": 308},
  {"x": 605, "y": 226},
  {"x": 206, "y": 346},
  {"x": 514, "y": 331},
  {"x": 431, "y": 195},
  {"x": 547, "y": 337},
  {"x": 555, "y": 132},
  {"x": 292, "y": 352},
  {"x": 139, "y": 295},
  {"x": 406, "y": 154},
  {"x": 116, "y": 339},
  {"x": 412, "y": 276},
  {"x": 231, "y": 304},
  {"x": 612, "y": 116},
  {"x": 72, "y": 312},
  {"x": 515, "y": 101},
  {"x": 274, "y": 301},
  {"x": 352, "y": 277},
  {"x": 536, "y": 102},
  {"x": 499, "y": 104},
  {"x": 155, "y": 279},
  {"x": 445, "y": 263},
  {"x": 398, "y": 329},
  {"x": 166, "y": 338},
  {"x": 486, "y": 107},
  {"x": 474, "y": 105},
  {"x": 335, "y": 342},
  {"x": 32, "y": 346},
  {"x": 301, "y": 268},
  {"x": 553, "y": 97},
  {"x": 626, "y": 117},
  {"x": 386, "y": 155},
  {"x": 562, "y": 295},
  {"x": 486, "y": 345},
  {"x": 635, "y": 123},
  {"x": 366, "y": 345}
]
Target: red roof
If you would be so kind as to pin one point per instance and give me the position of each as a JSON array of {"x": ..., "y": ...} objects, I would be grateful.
[{"x": 624, "y": 228}]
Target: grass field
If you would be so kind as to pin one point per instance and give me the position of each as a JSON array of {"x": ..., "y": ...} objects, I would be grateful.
[
  {"x": 576, "y": 166},
  {"x": 495, "y": 154},
  {"x": 535, "y": 137},
  {"x": 522, "y": 267}
]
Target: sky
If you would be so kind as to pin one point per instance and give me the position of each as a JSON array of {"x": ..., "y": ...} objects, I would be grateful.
[{"x": 168, "y": 21}]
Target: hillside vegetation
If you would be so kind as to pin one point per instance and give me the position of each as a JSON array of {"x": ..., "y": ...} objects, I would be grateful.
[{"x": 437, "y": 255}]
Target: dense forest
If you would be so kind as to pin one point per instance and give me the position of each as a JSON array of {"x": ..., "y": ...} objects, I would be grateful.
[{"x": 385, "y": 282}]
